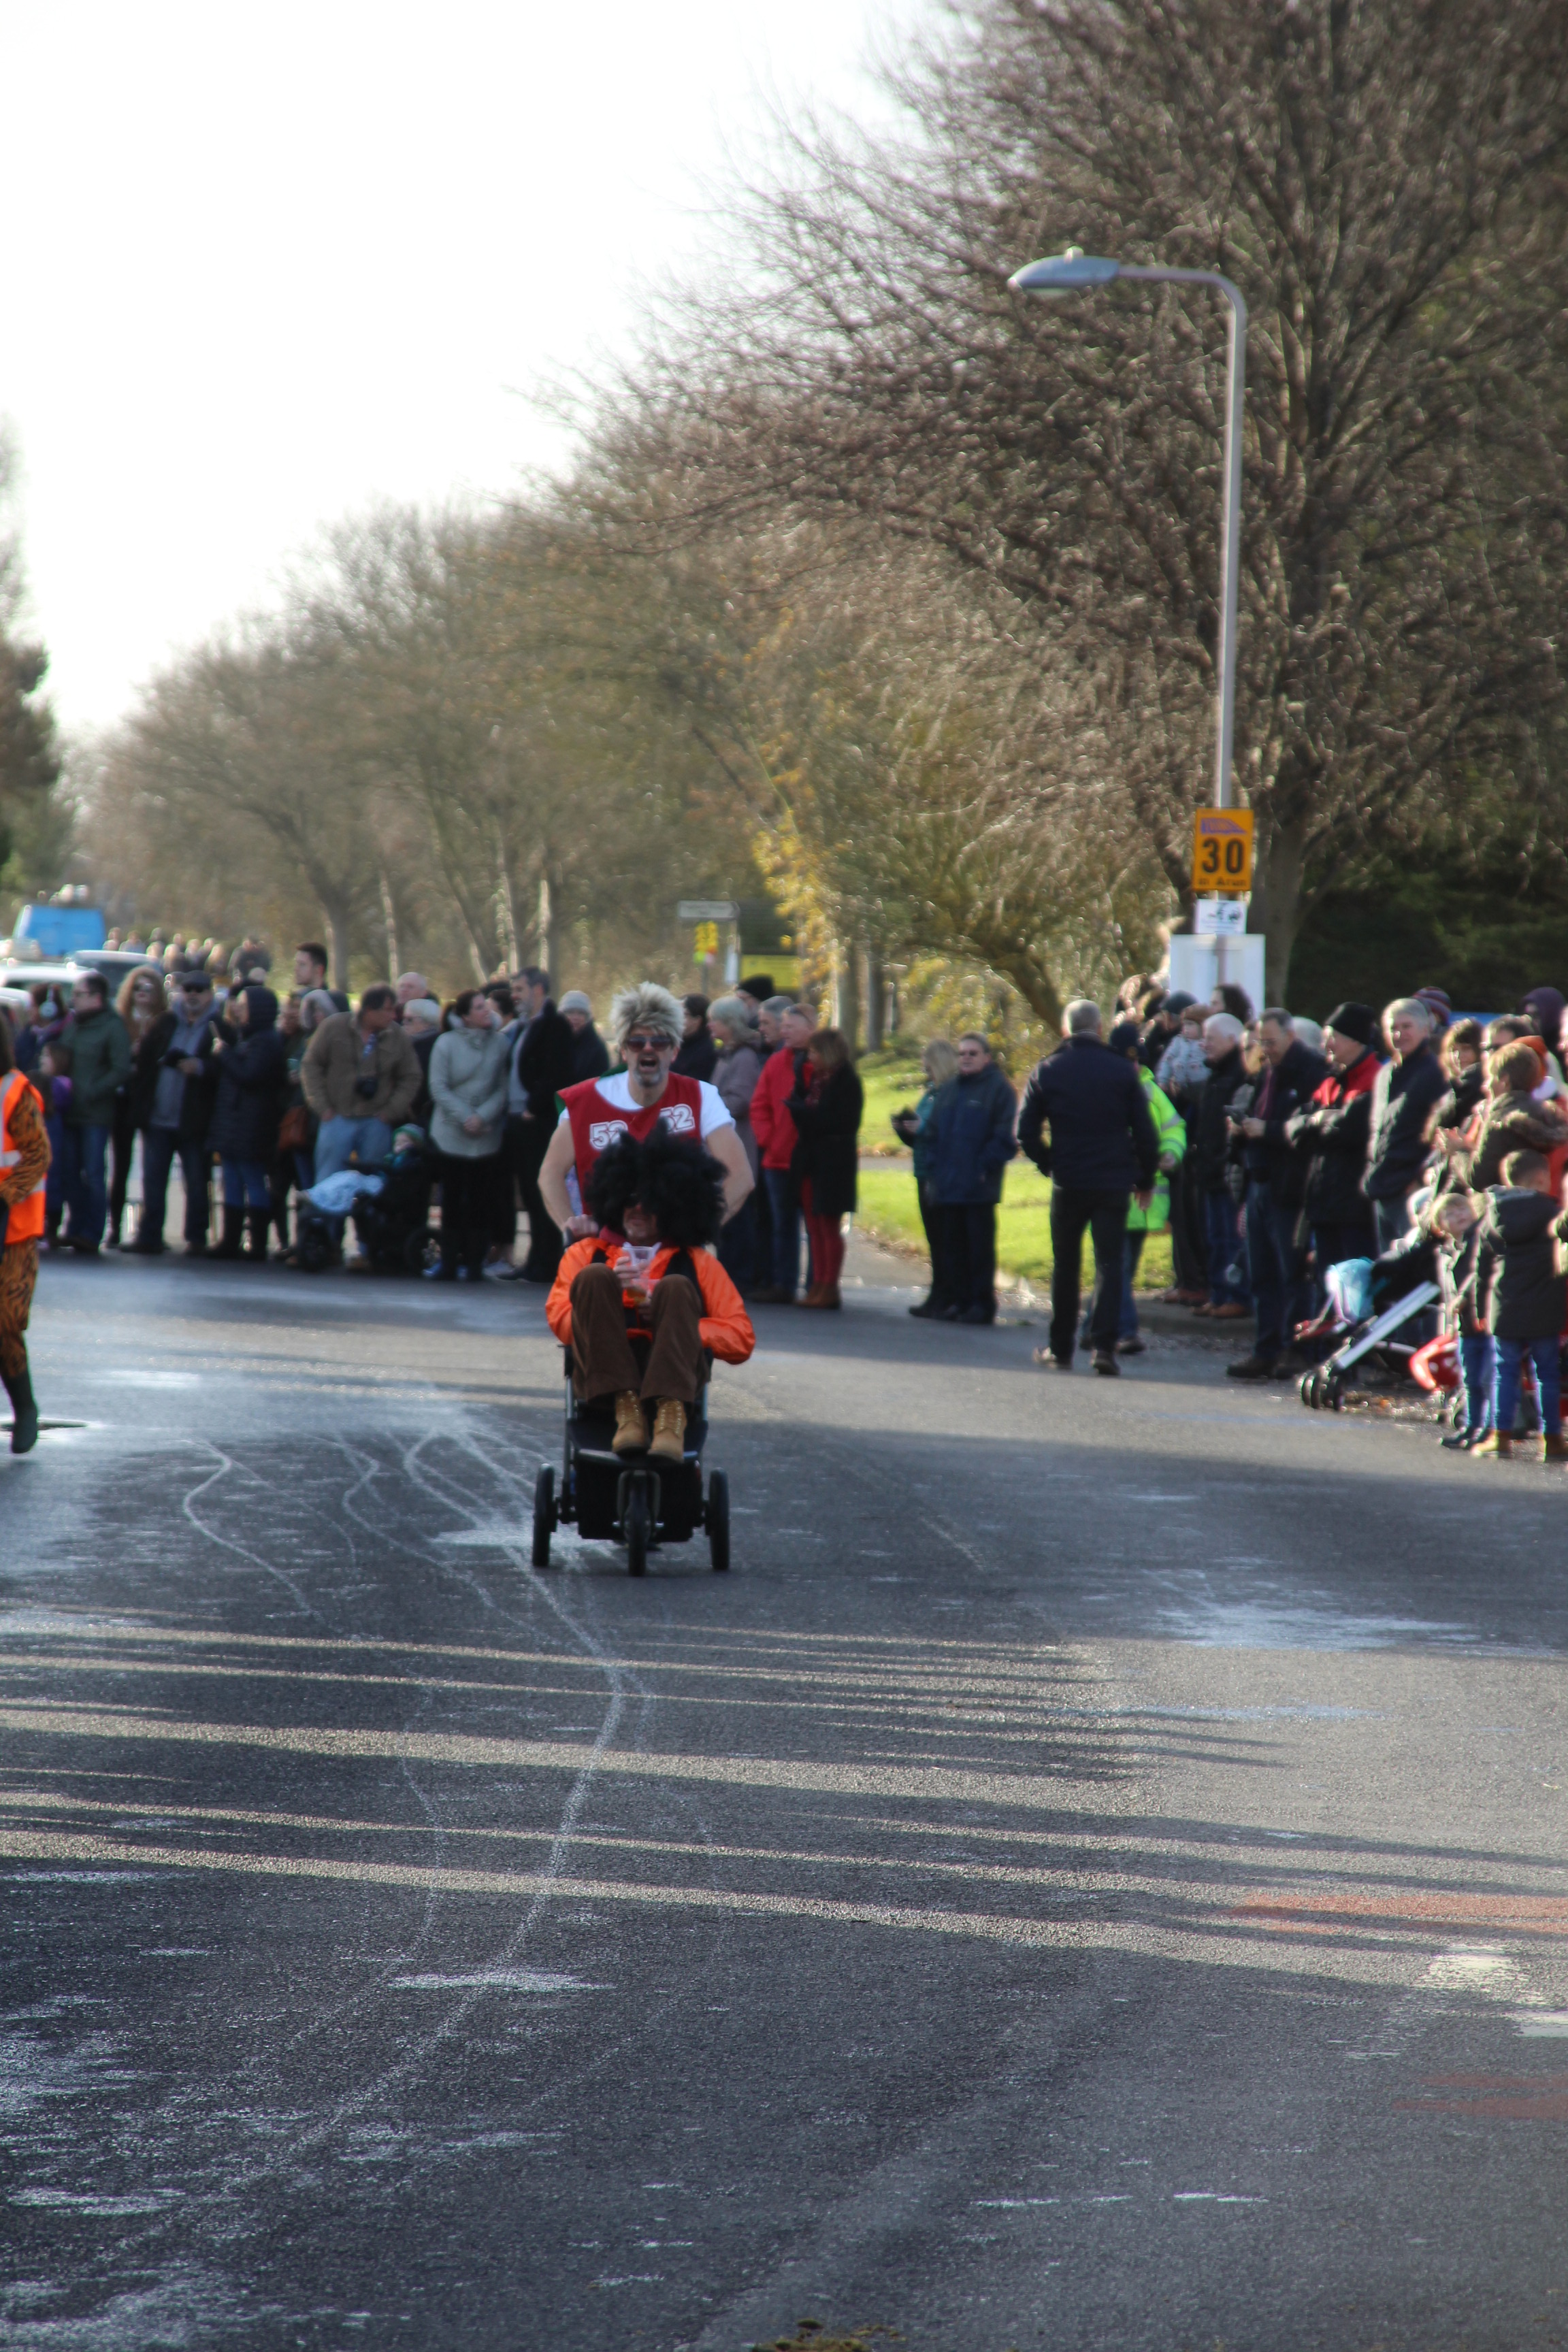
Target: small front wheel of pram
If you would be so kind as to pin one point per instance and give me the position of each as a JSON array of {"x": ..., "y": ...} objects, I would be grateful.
[
  {"x": 416, "y": 1249},
  {"x": 1308, "y": 1388},
  {"x": 639, "y": 1528},
  {"x": 1333, "y": 1392},
  {"x": 716, "y": 1518},
  {"x": 544, "y": 1516},
  {"x": 315, "y": 1248}
]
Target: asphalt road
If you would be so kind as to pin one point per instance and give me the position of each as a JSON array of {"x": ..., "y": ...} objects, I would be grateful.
[{"x": 1092, "y": 1876}]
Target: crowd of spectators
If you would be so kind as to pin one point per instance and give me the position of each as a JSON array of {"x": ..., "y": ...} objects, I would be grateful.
[
  {"x": 264, "y": 1099},
  {"x": 1274, "y": 1148},
  {"x": 1407, "y": 1143}
]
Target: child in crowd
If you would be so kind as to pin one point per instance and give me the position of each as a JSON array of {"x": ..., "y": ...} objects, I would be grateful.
[
  {"x": 52, "y": 1080},
  {"x": 1461, "y": 1059},
  {"x": 1183, "y": 1069},
  {"x": 1525, "y": 1298}
]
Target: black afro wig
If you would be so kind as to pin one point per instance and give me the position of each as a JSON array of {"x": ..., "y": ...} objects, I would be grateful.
[{"x": 681, "y": 1186}]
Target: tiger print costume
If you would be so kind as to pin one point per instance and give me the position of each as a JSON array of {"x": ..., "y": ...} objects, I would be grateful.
[{"x": 19, "y": 1267}]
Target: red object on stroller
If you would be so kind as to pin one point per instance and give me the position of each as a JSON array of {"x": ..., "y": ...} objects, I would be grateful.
[{"x": 1437, "y": 1365}]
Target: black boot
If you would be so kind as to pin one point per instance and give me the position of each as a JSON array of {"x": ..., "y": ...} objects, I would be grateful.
[
  {"x": 260, "y": 1221},
  {"x": 233, "y": 1234},
  {"x": 24, "y": 1414}
]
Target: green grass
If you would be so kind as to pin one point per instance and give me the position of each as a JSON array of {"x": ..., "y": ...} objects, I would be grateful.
[
  {"x": 892, "y": 1081},
  {"x": 889, "y": 1211}
]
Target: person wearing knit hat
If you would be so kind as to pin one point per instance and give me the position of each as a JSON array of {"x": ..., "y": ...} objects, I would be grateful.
[
  {"x": 1332, "y": 1131},
  {"x": 1358, "y": 1022},
  {"x": 1439, "y": 1004},
  {"x": 591, "y": 1054},
  {"x": 1544, "y": 1007}
]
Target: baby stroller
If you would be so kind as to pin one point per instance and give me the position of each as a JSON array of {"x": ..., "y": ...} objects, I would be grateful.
[
  {"x": 1371, "y": 1300},
  {"x": 393, "y": 1225},
  {"x": 392, "y": 1217},
  {"x": 640, "y": 1502}
]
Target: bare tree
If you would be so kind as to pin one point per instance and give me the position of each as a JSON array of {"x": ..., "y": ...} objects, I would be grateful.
[
  {"x": 234, "y": 787},
  {"x": 1383, "y": 181}
]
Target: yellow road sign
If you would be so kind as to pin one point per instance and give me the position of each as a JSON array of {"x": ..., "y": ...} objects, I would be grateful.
[
  {"x": 1222, "y": 852},
  {"x": 705, "y": 941}
]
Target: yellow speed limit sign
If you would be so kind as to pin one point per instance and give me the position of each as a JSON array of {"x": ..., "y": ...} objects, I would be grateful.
[{"x": 1222, "y": 852}]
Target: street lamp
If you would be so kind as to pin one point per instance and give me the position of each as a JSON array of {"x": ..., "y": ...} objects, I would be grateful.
[{"x": 1073, "y": 272}]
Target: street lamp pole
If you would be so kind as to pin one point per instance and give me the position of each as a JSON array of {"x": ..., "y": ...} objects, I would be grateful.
[{"x": 1073, "y": 272}]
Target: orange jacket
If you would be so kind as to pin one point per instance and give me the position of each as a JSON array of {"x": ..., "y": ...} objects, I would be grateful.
[
  {"x": 724, "y": 1324},
  {"x": 23, "y": 1158}
]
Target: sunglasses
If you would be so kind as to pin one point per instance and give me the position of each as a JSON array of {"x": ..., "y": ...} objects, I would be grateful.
[{"x": 657, "y": 1044}]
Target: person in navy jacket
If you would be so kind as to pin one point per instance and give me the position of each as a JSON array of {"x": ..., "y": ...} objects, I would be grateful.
[{"x": 1102, "y": 1149}]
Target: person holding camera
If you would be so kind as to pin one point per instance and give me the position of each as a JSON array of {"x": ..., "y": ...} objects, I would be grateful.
[{"x": 362, "y": 1077}]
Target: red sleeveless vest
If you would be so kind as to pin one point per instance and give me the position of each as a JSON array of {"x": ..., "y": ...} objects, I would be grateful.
[{"x": 597, "y": 1123}]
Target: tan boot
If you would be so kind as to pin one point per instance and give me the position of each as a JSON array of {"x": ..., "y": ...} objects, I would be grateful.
[
  {"x": 1495, "y": 1444},
  {"x": 631, "y": 1429},
  {"x": 1554, "y": 1445},
  {"x": 812, "y": 1298},
  {"x": 668, "y": 1431},
  {"x": 828, "y": 1296}
]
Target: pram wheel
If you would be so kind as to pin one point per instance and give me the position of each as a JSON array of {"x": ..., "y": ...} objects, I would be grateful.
[
  {"x": 543, "y": 1515},
  {"x": 415, "y": 1252},
  {"x": 1308, "y": 1387},
  {"x": 639, "y": 1527},
  {"x": 1333, "y": 1392},
  {"x": 315, "y": 1248},
  {"x": 716, "y": 1518}
]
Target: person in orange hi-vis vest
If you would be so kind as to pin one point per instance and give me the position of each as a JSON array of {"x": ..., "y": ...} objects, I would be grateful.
[
  {"x": 23, "y": 1165},
  {"x": 641, "y": 1300}
]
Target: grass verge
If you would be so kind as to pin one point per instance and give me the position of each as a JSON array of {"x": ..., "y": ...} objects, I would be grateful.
[{"x": 888, "y": 1211}]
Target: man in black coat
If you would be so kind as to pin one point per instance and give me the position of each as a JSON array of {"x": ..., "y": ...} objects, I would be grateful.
[
  {"x": 1103, "y": 1148},
  {"x": 544, "y": 1062},
  {"x": 1403, "y": 1099},
  {"x": 1291, "y": 1073},
  {"x": 1331, "y": 1133}
]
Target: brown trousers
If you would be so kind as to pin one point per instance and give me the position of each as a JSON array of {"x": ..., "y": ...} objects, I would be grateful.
[
  {"x": 19, "y": 1272},
  {"x": 607, "y": 1364}
]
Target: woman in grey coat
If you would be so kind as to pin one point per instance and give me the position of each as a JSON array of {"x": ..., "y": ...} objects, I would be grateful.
[
  {"x": 467, "y": 1087},
  {"x": 735, "y": 1074}
]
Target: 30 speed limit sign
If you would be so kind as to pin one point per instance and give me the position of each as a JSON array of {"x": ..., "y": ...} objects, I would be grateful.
[{"x": 1221, "y": 852}]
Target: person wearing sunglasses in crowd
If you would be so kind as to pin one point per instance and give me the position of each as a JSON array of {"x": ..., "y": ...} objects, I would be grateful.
[{"x": 646, "y": 1024}]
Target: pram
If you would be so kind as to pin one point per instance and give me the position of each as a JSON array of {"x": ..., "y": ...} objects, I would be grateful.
[
  {"x": 633, "y": 1499},
  {"x": 391, "y": 1218},
  {"x": 1371, "y": 1299}
]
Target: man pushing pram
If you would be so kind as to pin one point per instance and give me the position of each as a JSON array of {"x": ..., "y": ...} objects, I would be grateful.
[{"x": 641, "y": 1301}]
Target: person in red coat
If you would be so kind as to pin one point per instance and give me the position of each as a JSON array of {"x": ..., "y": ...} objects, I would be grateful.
[
  {"x": 776, "y": 1140},
  {"x": 640, "y": 1299}
]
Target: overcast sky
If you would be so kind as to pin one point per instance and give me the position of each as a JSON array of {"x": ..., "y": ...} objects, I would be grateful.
[{"x": 267, "y": 266}]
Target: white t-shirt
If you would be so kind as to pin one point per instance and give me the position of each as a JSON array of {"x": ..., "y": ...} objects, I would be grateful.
[{"x": 617, "y": 1093}]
